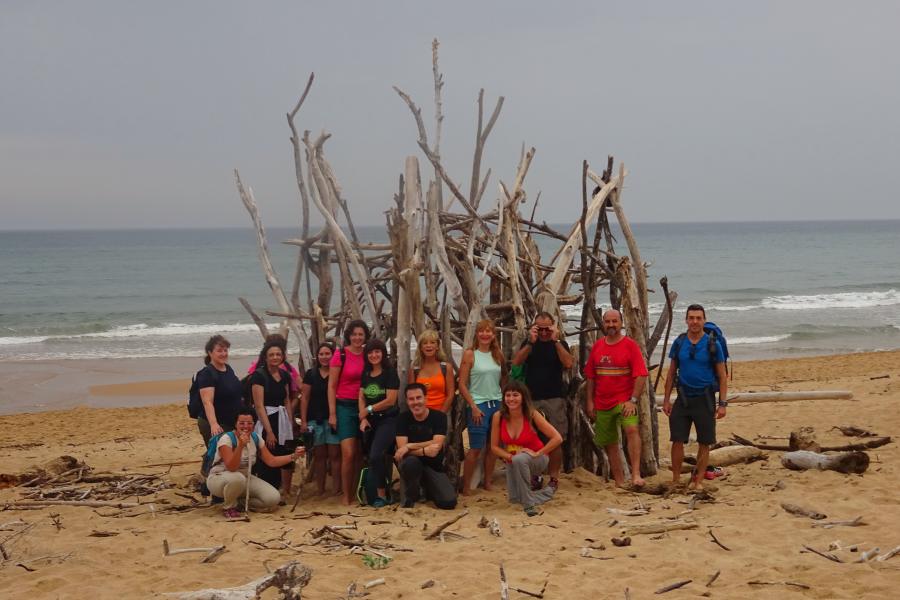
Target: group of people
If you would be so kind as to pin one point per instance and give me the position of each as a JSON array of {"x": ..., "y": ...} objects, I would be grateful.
[{"x": 516, "y": 411}]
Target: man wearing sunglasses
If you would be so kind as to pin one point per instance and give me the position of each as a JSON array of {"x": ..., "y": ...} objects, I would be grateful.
[
  {"x": 545, "y": 356},
  {"x": 698, "y": 365}
]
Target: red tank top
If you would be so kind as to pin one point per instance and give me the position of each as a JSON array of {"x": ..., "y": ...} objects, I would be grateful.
[{"x": 527, "y": 438}]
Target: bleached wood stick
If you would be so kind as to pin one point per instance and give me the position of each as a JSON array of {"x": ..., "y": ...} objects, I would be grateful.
[
  {"x": 167, "y": 551},
  {"x": 890, "y": 554},
  {"x": 374, "y": 583},
  {"x": 851, "y": 523},
  {"x": 627, "y": 513},
  {"x": 868, "y": 555},
  {"x": 504, "y": 585},
  {"x": 93, "y": 503},
  {"x": 790, "y": 396},
  {"x": 802, "y": 512},
  {"x": 661, "y": 527},
  {"x": 291, "y": 578}
]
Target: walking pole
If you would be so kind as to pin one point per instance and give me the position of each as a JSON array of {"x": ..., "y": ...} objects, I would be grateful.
[{"x": 247, "y": 491}]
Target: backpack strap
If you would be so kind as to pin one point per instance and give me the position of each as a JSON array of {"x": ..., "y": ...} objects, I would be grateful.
[
  {"x": 676, "y": 347},
  {"x": 444, "y": 369}
]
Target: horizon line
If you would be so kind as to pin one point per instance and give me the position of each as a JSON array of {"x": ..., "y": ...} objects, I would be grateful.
[{"x": 250, "y": 227}]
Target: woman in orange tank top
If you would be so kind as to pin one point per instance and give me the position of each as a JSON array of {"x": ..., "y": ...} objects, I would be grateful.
[
  {"x": 432, "y": 370},
  {"x": 515, "y": 441}
]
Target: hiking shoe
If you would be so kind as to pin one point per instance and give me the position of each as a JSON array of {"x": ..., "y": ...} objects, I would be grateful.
[
  {"x": 553, "y": 483},
  {"x": 216, "y": 500},
  {"x": 537, "y": 482}
]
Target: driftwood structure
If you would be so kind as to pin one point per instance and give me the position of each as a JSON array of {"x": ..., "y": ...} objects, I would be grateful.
[{"x": 461, "y": 249}]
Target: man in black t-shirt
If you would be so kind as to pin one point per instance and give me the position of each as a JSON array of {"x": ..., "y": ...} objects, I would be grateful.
[
  {"x": 420, "y": 451},
  {"x": 545, "y": 356}
]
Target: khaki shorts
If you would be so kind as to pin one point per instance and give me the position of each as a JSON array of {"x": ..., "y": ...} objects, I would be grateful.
[{"x": 554, "y": 410}]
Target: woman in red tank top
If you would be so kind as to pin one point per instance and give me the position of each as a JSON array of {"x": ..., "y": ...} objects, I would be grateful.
[{"x": 514, "y": 439}]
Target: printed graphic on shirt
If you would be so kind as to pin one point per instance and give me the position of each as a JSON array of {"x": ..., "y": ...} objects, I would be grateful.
[
  {"x": 606, "y": 368},
  {"x": 373, "y": 390}
]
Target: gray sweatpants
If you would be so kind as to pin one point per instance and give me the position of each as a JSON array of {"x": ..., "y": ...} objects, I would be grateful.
[
  {"x": 232, "y": 485},
  {"x": 518, "y": 480}
]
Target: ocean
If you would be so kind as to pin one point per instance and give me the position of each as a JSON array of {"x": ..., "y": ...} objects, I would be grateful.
[{"x": 777, "y": 289}]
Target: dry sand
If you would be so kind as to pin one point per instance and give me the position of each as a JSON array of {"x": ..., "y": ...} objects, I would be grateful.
[{"x": 765, "y": 542}]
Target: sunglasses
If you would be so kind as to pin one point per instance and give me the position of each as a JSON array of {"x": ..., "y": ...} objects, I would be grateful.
[
  {"x": 543, "y": 329},
  {"x": 692, "y": 353}
]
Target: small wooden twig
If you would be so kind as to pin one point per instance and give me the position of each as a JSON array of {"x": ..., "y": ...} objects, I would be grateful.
[
  {"x": 673, "y": 586},
  {"x": 868, "y": 555},
  {"x": 716, "y": 540},
  {"x": 504, "y": 586},
  {"x": 661, "y": 527},
  {"x": 713, "y": 578},
  {"x": 374, "y": 583},
  {"x": 830, "y": 557},
  {"x": 889, "y": 554},
  {"x": 437, "y": 531},
  {"x": 802, "y": 586}
]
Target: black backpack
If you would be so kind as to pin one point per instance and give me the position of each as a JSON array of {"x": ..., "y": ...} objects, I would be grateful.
[{"x": 195, "y": 404}]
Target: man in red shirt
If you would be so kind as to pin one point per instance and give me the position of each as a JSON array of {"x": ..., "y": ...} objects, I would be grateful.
[{"x": 616, "y": 375}]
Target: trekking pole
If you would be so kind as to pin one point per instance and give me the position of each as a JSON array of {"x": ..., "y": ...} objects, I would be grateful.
[
  {"x": 664, "y": 283},
  {"x": 247, "y": 491}
]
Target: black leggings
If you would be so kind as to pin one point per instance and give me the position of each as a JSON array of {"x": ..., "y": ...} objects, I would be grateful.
[{"x": 383, "y": 442}]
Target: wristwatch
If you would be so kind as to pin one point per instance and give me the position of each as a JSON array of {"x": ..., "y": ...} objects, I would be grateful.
[
  {"x": 370, "y": 409},
  {"x": 633, "y": 400}
]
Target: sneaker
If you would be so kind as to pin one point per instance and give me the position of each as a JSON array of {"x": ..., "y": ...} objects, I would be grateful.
[
  {"x": 713, "y": 472},
  {"x": 216, "y": 500},
  {"x": 532, "y": 511},
  {"x": 408, "y": 503},
  {"x": 537, "y": 482},
  {"x": 379, "y": 502},
  {"x": 554, "y": 483},
  {"x": 232, "y": 513}
]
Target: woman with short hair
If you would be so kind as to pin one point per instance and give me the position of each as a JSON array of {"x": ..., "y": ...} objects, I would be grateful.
[{"x": 219, "y": 389}]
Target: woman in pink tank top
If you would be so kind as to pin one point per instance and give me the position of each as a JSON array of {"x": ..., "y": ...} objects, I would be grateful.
[{"x": 515, "y": 441}]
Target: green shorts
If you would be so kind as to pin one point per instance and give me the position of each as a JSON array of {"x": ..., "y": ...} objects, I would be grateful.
[
  {"x": 347, "y": 419},
  {"x": 607, "y": 423}
]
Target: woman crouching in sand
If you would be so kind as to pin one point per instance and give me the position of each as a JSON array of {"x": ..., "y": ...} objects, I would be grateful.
[
  {"x": 515, "y": 441},
  {"x": 235, "y": 451}
]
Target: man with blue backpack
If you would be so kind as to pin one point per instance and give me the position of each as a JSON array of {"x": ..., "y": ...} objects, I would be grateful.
[{"x": 697, "y": 363}]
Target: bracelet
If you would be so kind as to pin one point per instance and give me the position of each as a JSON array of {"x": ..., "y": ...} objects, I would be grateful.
[{"x": 723, "y": 403}]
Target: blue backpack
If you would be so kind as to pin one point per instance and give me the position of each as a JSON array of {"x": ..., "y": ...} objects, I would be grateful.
[
  {"x": 715, "y": 334},
  {"x": 214, "y": 444}
]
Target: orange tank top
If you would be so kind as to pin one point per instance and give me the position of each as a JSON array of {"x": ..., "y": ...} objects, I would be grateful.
[{"x": 436, "y": 390}]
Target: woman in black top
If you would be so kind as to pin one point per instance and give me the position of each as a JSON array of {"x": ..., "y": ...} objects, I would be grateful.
[
  {"x": 314, "y": 420},
  {"x": 270, "y": 387},
  {"x": 220, "y": 391},
  {"x": 378, "y": 414}
]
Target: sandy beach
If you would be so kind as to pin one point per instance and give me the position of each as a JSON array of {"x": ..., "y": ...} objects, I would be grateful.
[{"x": 764, "y": 542}]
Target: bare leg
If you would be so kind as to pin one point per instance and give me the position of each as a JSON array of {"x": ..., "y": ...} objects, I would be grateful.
[
  {"x": 634, "y": 455},
  {"x": 556, "y": 459},
  {"x": 334, "y": 459},
  {"x": 348, "y": 461},
  {"x": 490, "y": 459},
  {"x": 702, "y": 461},
  {"x": 615, "y": 463},
  {"x": 677, "y": 459},
  {"x": 469, "y": 469},
  {"x": 286, "y": 477},
  {"x": 320, "y": 455}
]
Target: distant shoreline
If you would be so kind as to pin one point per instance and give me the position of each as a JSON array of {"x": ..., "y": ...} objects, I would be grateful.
[{"x": 50, "y": 385}]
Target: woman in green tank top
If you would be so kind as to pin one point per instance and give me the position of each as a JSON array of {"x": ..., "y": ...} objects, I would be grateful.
[{"x": 482, "y": 373}]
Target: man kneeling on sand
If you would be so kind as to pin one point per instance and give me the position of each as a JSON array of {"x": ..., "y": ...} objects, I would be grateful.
[{"x": 420, "y": 451}]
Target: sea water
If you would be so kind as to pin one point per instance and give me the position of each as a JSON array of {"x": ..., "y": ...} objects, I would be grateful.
[{"x": 777, "y": 289}]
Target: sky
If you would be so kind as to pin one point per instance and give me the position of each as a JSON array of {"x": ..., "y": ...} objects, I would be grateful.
[{"x": 134, "y": 115}]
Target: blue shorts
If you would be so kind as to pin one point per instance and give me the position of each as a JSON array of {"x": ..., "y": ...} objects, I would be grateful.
[
  {"x": 480, "y": 434},
  {"x": 347, "y": 420},
  {"x": 322, "y": 433}
]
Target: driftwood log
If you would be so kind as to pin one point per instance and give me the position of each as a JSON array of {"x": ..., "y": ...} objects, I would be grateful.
[
  {"x": 789, "y": 396},
  {"x": 845, "y": 462},
  {"x": 732, "y": 455},
  {"x": 289, "y": 580}
]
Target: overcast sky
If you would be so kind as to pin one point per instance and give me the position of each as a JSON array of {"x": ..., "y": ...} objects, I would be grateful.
[{"x": 123, "y": 114}]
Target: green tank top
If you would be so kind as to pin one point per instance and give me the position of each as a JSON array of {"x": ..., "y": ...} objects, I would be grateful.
[{"x": 484, "y": 378}]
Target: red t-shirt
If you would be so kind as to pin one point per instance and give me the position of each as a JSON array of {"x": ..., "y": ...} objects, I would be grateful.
[{"x": 614, "y": 367}]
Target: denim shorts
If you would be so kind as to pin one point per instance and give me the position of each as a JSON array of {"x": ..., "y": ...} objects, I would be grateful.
[
  {"x": 322, "y": 433},
  {"x": 480, "y": 434}
]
